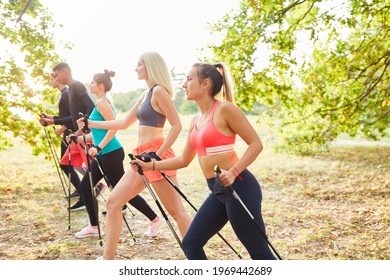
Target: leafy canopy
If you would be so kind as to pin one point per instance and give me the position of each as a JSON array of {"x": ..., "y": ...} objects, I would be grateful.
[
  {"x": 27, "y": 54},
  {"x": 320, "y": 67}
]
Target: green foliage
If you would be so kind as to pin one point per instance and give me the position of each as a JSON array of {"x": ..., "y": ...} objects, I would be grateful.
[
  {"x": 334, "y": 81},
  {"x": 28, "y": 50},
  {"x": 124, "y": 101}
]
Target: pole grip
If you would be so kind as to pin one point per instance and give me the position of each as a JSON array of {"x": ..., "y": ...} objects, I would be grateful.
[{"x": 85, "y": 120}]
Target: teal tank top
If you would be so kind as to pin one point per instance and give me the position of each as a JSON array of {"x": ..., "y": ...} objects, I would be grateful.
[{"x": 98, "y": 134}]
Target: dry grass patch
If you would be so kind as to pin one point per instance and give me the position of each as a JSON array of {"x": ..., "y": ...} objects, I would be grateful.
[{"x": 327, "y": 206}]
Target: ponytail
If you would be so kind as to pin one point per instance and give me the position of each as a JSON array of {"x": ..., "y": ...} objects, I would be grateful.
[{"x": 227, "y": 82}]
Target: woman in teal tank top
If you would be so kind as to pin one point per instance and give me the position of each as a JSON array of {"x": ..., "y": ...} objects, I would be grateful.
[{"x": 109, "y": 152}]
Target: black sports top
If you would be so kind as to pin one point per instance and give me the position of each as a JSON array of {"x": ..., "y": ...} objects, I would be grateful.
[
  {"x": 147, "y": 115},
  {"x": 79, "y": 101},
  {"x": 63, "y": 110}
]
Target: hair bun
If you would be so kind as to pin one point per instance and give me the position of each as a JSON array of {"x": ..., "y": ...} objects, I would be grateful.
[{"x": 109, "y": 73}]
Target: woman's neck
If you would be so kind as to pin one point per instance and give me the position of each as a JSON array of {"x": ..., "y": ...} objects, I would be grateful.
[
  {"x": 100, "y": 95},
  {"x": 205, "y": 106},
  {"x": 149, "y": 84}
]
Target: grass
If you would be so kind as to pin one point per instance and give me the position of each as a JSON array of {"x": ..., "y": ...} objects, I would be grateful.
[{"x": 326, "y": 206}]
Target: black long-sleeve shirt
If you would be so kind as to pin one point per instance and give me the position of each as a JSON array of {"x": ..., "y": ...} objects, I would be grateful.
[
  {"x": 79, "y": 101},
  {"x": 64, "y": 117}
]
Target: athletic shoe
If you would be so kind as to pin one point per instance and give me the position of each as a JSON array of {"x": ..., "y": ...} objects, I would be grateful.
[
  {"x": 88, "y": 231},
  {"x": 101, "y": 258},
  {"x": 99, "y": 188},
  {"x": 155, "y": 227},
  {"x": 79, "y": 205},
  {"x": 104, "y": 213}
]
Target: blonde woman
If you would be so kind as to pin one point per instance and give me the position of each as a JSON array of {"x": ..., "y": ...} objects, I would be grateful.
[{"x": 152, "y": 109}]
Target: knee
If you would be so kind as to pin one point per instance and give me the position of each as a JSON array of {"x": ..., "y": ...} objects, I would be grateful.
[
  {"x": 177, "y": 214},
  {"x": 192, "y": 248},
  {"x": 188, "y": 244},
  {"x": 111, "y": 204}
]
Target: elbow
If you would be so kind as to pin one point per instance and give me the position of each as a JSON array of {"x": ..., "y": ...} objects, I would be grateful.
[
  {"x": 260, "y": 147},
  {"x": 177, "y": 127},
  {"x": 120, "y": 125},
  {"x": 257, "y": 147}
]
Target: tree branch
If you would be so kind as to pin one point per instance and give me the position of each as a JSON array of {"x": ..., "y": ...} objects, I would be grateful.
[
  {"x": 376, "y": 81},
  {"x": 24, "y": 11},
  {"x": 281, "y": 13}
]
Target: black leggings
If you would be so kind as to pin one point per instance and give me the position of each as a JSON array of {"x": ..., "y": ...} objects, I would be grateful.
[
  {"x": 74, "y": 177},
  {"x": 112, "y": 165},
  {"x": 218, "y": 209}
]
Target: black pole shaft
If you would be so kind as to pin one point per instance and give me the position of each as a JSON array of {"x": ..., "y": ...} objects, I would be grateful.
[
  {"x": 110, "y": 187},
  {"x": 69, "y": 182},
  {"x": 162, "y": 211},
  {"x": 55, "y": 159},
  {"x": 255, "y": 222},
  {"x": 237, "y": 197},
  {"x": 94, "y": 199},
  {"x": 158, "y": 204},
  {"x": 193, "y": 207}
]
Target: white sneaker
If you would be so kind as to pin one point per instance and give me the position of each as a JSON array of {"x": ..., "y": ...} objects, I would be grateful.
[
  {"x": 88, "y": 231},
  {"x": 155, "y": 227},
  {"x": 101, "y": 258}
]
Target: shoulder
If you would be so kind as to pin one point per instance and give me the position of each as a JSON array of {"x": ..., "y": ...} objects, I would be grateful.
[
  {"x": 160, "y": 91},
  {"x": 103, "y": 103},
  {"x": 225, "y": 106},
  {"x": 228, "y": 110},
  {"x": 77, "y": 84},
  {"x": 78, "y": 87}
]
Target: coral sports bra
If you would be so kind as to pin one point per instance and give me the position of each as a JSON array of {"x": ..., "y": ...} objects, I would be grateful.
[{"x": 208, "y": 140}]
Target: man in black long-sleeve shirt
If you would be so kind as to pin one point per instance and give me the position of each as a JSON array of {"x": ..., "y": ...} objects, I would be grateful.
[
  {"x": 79, "y": 101},
  {"x": 64, "y": 119}
]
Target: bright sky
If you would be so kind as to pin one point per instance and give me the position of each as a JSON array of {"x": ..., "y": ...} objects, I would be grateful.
[{"x": 111, "y": 34}]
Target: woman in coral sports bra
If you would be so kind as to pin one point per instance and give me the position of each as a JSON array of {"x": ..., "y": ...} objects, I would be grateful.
[{"x": 212, "y": 137}]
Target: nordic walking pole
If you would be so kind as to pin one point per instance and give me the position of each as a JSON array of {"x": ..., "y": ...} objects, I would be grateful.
[
  {"x": 55, "y": 157},
  {"x": 218, "y": 171},
  {"x": 193, "y": 207},
  {"x": 109, "y": 184},
  {"x": 53, "y": 153},
  {"x": 94, "y": 200},
  {"x": 69, "y": 178},
  {"x": 110, "y": 187},
  {"x": 158, "y": 203}
]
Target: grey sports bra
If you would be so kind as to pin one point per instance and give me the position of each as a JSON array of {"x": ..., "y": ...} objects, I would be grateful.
[{"x": 147, "y": 115}]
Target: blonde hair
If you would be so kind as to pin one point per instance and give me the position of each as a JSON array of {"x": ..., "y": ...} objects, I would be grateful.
[{"x": 158, "y": 72}]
